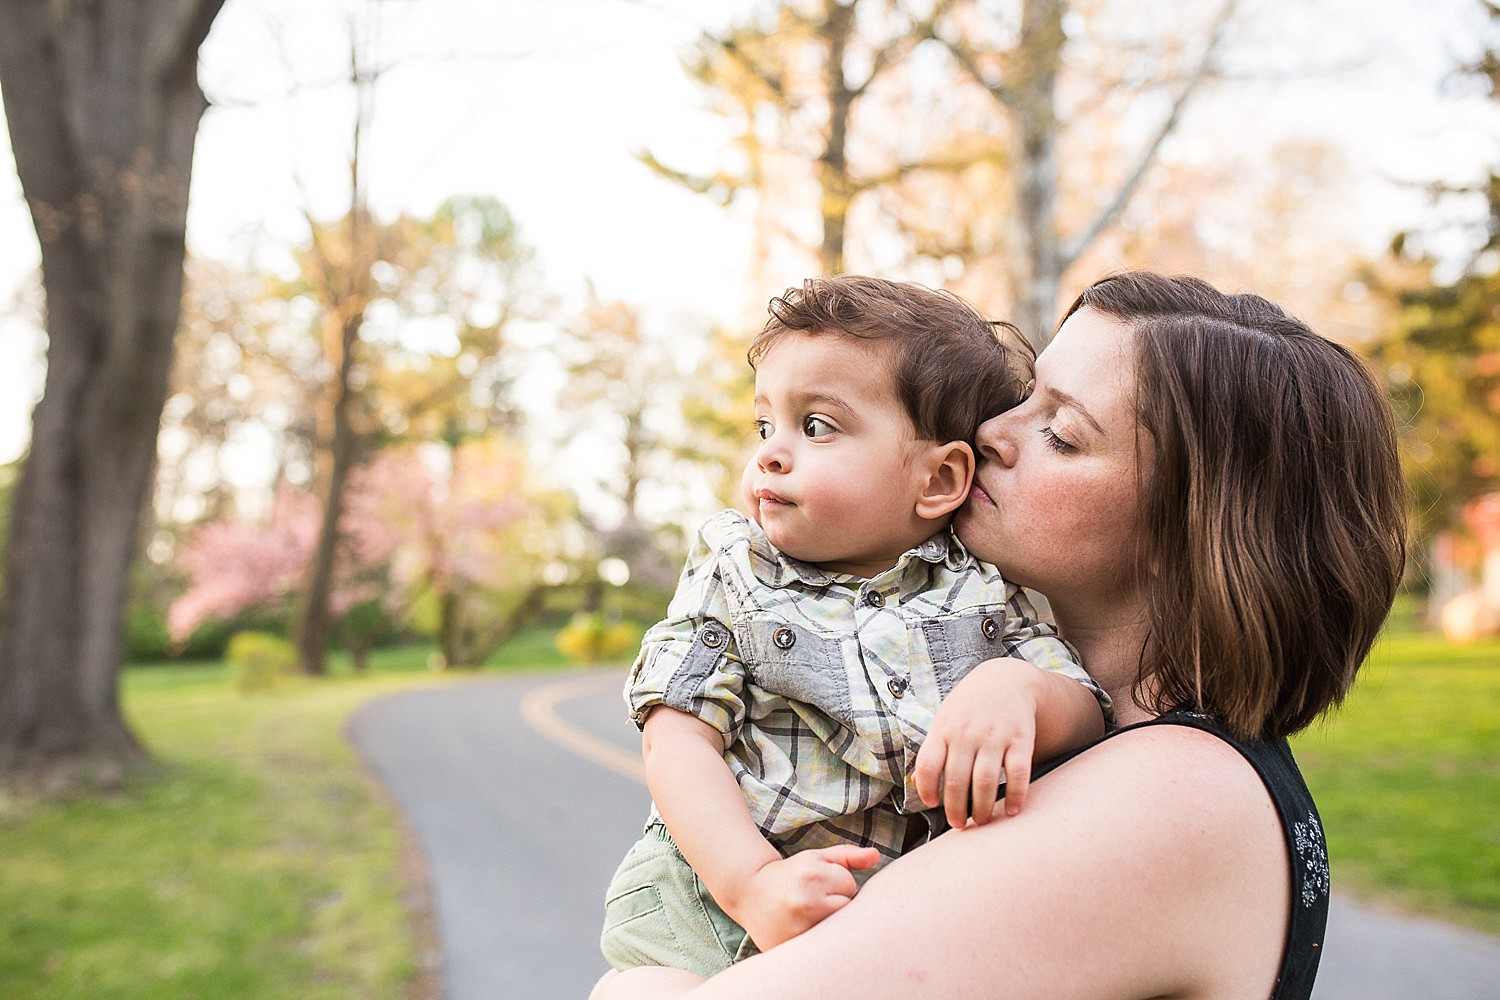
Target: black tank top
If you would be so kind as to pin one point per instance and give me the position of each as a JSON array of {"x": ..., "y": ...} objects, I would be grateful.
[{"x": 1304, "y": 844}]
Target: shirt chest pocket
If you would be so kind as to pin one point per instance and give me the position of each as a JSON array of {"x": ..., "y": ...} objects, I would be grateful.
[
  {"x": 797, "y": 663},
  {"x": 959, "y": 644}
]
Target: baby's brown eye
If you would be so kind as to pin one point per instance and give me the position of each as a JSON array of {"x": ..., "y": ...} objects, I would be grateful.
[{"x": 815, "y": 427}]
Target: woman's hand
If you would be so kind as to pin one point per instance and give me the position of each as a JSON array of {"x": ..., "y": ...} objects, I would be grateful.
[{"x": 787, "y": 896}]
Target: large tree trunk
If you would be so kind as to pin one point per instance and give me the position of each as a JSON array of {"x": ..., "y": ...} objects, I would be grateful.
[{"x": 103, "y": 104}]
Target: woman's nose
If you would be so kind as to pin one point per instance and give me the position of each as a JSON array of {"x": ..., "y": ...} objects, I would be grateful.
[{"x": 997, "y": 440}]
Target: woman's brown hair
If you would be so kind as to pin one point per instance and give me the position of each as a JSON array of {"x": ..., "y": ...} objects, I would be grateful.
[{"x": 1273, "y": 514}]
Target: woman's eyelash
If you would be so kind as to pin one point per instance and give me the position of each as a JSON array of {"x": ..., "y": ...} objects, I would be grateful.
[{"x": 1056, "y": 443}]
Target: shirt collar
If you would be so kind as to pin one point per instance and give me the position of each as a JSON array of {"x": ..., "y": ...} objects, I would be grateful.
[{"x": 775, "y": 568}]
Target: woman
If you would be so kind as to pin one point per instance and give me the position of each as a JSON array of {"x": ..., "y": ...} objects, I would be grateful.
[{"x": 1209, "y": 495}]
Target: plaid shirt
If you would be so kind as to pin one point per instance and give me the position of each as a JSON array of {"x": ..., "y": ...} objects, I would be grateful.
[{"x": 824, "y": 685}]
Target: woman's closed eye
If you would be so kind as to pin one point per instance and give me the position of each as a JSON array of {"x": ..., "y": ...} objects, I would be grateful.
[{"x": 1056, "y": 443}]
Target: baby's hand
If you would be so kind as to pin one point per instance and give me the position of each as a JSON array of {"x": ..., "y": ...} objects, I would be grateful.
[
  {"x": 983, "y": 735},
  {"x": 789, "y": 895}
]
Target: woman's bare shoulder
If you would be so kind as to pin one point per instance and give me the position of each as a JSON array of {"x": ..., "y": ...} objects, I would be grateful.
[
  {"x": 1130, "y": 868},
  {"x": 1150, "y": 773}
]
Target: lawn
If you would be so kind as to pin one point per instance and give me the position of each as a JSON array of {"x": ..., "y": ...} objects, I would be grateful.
[
  {"x": 1407, "y": 778},
  {"x": 257, "y": 860}
]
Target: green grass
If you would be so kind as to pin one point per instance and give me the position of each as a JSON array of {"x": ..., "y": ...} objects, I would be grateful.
[
  {"x": 1407, "y": 778},
  {"x": 254, "y": 860},
  {"x": 257, "y": 861}
]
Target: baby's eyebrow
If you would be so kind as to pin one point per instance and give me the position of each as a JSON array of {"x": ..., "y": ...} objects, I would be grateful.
[
  {"x": 817, "y": 397},
  {"x": 812, "y": 398}
]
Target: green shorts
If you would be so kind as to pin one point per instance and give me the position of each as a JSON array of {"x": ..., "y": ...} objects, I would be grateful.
[{"x": 657, "y": 912}]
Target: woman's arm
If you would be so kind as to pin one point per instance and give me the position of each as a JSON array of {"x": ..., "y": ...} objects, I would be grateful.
[{"x": 1151, "y": 865}]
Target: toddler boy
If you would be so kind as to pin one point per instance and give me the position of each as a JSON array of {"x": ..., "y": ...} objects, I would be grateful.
[{"x": 784, "y": 698}]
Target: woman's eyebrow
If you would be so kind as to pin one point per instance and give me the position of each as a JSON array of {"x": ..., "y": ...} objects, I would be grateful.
[{"x": 1072, "y": 402}]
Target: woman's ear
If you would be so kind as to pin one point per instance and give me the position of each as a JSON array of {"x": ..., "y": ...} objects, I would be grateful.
[{"x": 949, "y": 470}]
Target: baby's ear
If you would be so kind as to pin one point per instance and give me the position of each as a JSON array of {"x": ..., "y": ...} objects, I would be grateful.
[{"x": 949, "y": 469}]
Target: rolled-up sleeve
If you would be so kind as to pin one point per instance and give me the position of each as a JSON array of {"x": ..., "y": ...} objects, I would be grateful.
[
  {"x": 689, "y": 661},
  {"x": 1030, "y": 638}
]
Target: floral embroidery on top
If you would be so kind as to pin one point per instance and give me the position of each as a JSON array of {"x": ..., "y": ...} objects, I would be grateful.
[{"x": 1308, "y": 839}]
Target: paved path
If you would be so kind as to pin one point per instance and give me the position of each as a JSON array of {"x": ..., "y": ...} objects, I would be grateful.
[{"x": 524, "y": 791}]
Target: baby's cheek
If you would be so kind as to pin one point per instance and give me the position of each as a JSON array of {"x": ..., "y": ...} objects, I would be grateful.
[{"x": 747, "y": 486}]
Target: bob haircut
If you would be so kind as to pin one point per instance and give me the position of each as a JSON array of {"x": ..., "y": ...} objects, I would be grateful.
[
  {"x": 952, "y": 369},
  {"x": 1274, "y": 515}
]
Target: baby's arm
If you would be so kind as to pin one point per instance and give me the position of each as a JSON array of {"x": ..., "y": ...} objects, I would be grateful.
[
  {"x": 1003, "y": 715},
  {"x": 772, "y": 897}
]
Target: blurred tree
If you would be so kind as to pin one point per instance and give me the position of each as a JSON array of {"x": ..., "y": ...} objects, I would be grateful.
[
  {"x": 261, "y": 365},
  {"x": 935, "y": 128},
  {"x": 627, "y": 387},
  {"x": 237, "y": 565},
  {"x": 336, "y": 271},
  {"x": 1441, "y": 353},
  {"x": 476, "y": 536},
  {"x": 103, "y": 104},
  {"x": 413, "y": 316},
  {"x": 453, "y": 539},
  {"x": 1019, "y": 58},
  {"x": 240, "y": 384},
  {"x": 792, "y": 77}
]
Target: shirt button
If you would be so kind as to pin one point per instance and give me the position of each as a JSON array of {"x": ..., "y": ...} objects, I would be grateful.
[
  {"x": 875, "y": 599},
  {"x": 898, "y": 685},
  {"x": 712, "y": 636},
  {"x": 784, "y": 638},
  {"x": 989, "y": 628}
]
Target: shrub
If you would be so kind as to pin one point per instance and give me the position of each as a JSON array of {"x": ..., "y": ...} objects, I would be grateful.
[
  {"x": 257, "y": 660},
  {"x": 592, "y": 638}
]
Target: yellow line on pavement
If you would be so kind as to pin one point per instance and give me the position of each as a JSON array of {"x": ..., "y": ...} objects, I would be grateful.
[{"x": 539, "y": 709}]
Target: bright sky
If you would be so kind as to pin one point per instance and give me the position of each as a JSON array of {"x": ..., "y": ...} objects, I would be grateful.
[{"x": 544, "y": 102}]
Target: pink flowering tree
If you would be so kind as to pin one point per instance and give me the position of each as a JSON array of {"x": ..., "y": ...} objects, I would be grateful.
[
  {"x": 237, "y": 566},
  {"x": 449, "y": 540},
  {"x": 474, "y": 536}
]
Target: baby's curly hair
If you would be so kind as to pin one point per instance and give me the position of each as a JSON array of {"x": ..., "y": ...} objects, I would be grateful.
[{"x": 952, "y": 368}]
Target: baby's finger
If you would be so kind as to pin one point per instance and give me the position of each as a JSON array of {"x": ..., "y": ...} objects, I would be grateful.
[
  {"x": 1017, "y": 773},
  {"x": 988, "y": 775},
  {"x": 927, "y": 772},
  {"x": 957, "y": 772},
  {"x": 850, "y": 857}
]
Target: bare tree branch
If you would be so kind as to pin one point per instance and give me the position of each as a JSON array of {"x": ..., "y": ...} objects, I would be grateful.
[{"x": 1106, "y": 217}]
